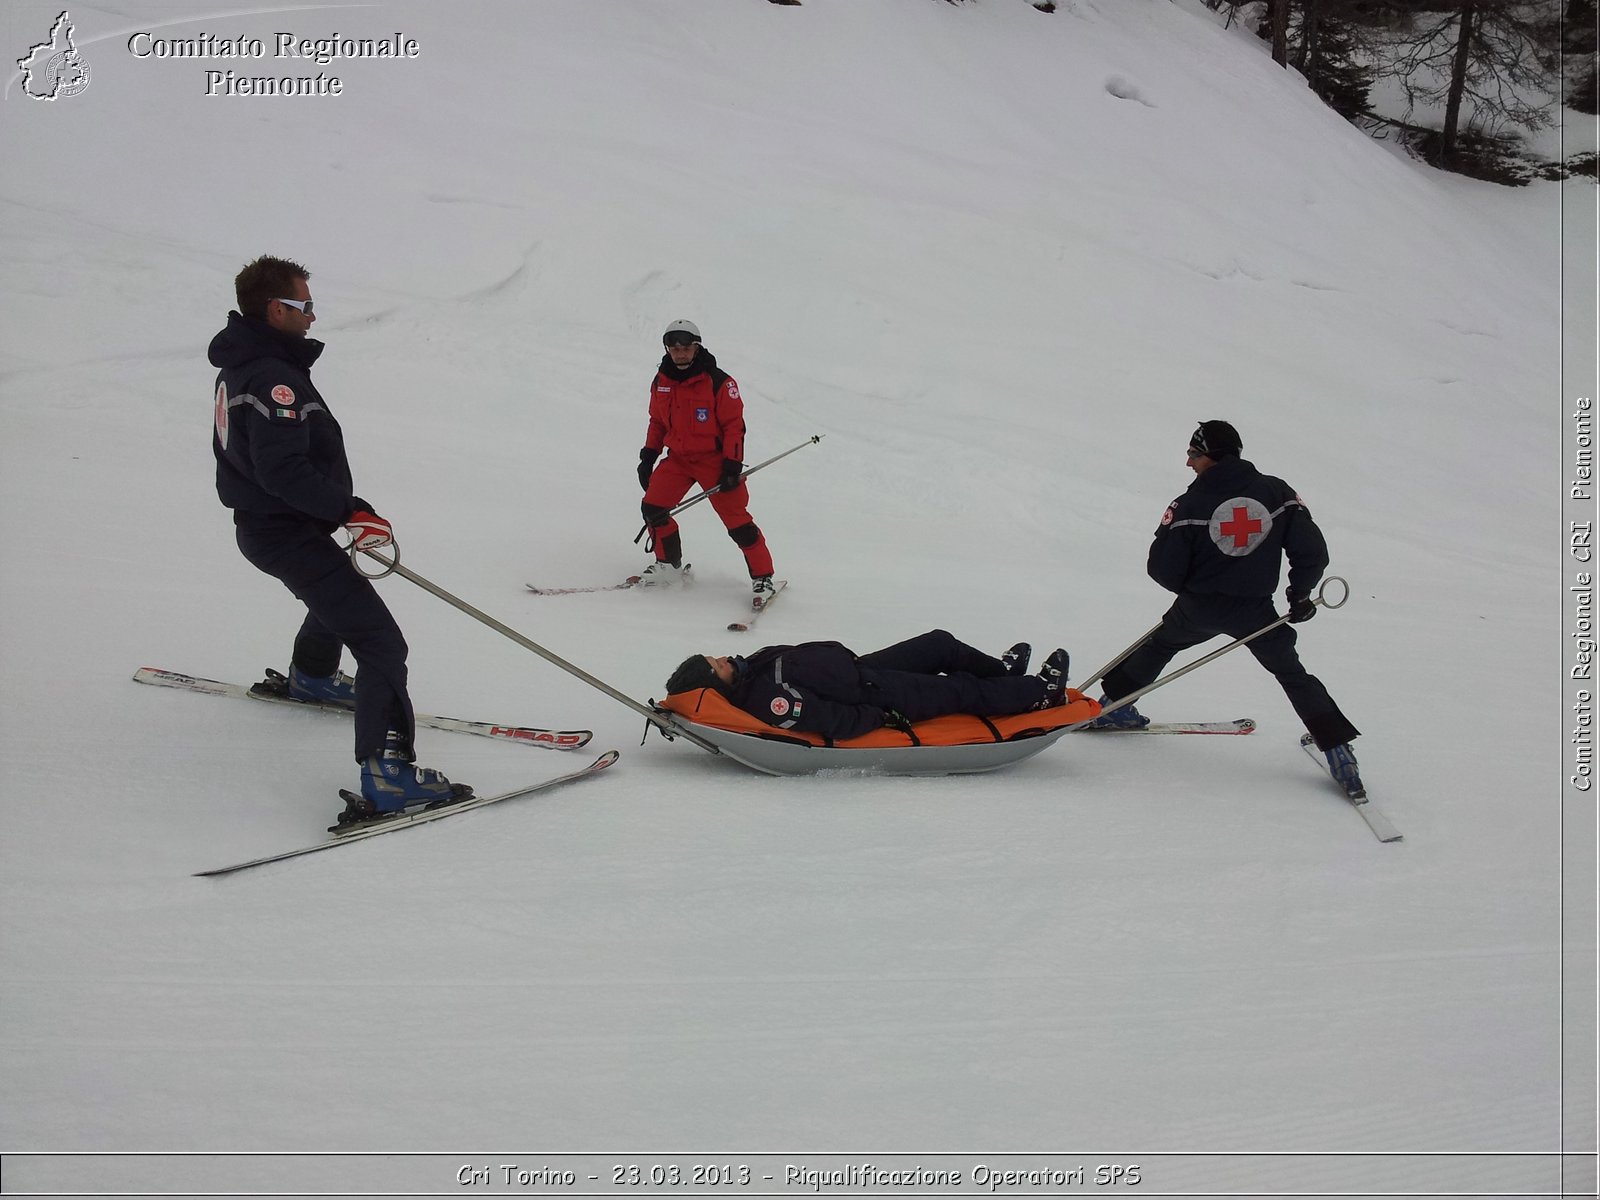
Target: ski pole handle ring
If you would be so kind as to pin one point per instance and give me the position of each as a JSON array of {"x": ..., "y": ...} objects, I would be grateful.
[
  {"x": 1344, "y": 595},
  {"x": 389, "y": 564}
]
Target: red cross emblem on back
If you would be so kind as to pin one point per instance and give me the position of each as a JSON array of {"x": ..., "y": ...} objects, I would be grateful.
[{"x": 1239, "y": 525}]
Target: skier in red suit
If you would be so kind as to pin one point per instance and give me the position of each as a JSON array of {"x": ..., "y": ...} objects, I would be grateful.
[{"x": 697, "y": 416}]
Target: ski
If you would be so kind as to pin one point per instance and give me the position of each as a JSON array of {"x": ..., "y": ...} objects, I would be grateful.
[
  {"x": 412, "y": 818},
  {"x": 1242, "y": 725},
  {"x": 1382, "y": 828},
  {"x": 549, "y": 739},
  {"x": 630, "y": 582},
  {"x": 756, "y": 611}
]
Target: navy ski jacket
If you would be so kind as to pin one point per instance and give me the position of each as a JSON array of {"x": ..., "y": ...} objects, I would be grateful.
[
  {"x": 1228, "y": 533},
  {"x": 826, "y": 689},
  {"x": 279, "y": 450},
  {"x": 817, "y": 687}
]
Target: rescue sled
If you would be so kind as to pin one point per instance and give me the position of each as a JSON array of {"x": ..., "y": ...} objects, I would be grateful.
[{"x": 953, "y": 745}]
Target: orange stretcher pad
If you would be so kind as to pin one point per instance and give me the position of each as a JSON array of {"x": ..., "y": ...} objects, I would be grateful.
[{"x": 706, "y": 706}]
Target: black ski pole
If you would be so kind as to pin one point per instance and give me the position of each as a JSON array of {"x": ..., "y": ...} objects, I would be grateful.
[{"x": 712, "y": 491}]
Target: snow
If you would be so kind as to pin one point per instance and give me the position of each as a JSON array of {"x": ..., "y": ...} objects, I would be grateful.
[{"x": 1003, "y": 261}]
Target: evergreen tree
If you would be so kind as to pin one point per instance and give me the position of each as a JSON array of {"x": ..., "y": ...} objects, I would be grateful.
[
  {"x": 1278, "y": 19},
  {"x": 1331, "y": 51},
  {"x": 1325, "y": 40},
  {"x": 1578, "y": 43},
  {"x": 1491, "y": 54}
]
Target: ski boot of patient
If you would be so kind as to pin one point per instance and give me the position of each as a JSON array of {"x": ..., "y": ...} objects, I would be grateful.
[
  {"x": 1016, "y": 659},
  {"x": 1054, "y": 673}
]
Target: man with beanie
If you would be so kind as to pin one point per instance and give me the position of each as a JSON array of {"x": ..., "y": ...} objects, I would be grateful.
[
  {"x": 697, "y": 416},
  {"x": 281, "y": 468},
  {"x": 826, "y": 689},
  {"x": 1220, "y": 547}
]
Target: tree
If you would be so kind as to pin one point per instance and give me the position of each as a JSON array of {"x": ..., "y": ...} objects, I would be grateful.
[
  {"x": 1278, "y": 15},
  {"x": 1325, "y": 40},
  {"x": 1579, "y": 22},
  {"x": 1484, "y": 55},
  {"x": 1578, "y": 44},
  {"x": 1332, "y": 52},
  {"x": 1487, "y": 64}
]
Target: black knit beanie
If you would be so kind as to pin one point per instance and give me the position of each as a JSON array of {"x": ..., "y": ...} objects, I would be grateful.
[
  {"x": 693, "y": 672},
  {"x": 1216, "y": 439}
]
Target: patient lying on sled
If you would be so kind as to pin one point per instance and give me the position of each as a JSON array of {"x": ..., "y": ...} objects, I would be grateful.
[{"x": 824, "y": 688}]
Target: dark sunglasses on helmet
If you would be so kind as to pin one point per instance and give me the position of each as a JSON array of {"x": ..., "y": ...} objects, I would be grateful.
[{"x": 678, "y": 339}]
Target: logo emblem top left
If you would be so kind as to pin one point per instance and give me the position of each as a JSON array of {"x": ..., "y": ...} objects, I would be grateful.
[{"x": 54, "y": 69}]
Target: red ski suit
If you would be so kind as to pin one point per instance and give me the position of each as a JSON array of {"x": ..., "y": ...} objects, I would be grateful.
[{"x": 697, "y": 415}]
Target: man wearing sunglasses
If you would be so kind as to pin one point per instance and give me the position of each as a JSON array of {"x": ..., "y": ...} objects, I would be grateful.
[
  {"x": 1220, "y": 546},
  {"x": 697, "y": 416},
  {"x": 281, "y": 468}
]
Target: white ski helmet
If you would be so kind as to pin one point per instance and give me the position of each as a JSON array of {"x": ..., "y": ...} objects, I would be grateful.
[{"x": 682, "y": 326}]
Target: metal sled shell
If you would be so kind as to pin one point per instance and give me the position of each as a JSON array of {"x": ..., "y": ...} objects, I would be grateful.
[
  {"x": 774, "y": 757},
  {"x": 956, "y": 745}
]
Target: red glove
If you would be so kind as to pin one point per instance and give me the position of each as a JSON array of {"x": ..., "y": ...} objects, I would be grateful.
[{"x": 368, "y": 531}]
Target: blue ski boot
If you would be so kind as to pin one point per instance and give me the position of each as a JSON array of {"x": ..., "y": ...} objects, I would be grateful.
[
  {"x": 336, "y": 689},
  {"x": 1016, "y": 658},
  {"x": 1126, "y": 717},
  {"x": 390, "y": 782},
  {"x": 1054, "y": 673},
  {"x": 1342, "y": 766}
]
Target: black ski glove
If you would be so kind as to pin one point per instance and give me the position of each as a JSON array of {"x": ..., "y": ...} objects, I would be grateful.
[
  {"x": 732, "y": 468},
  {"x": 1302, "y": 609},
  {"x": 896, "y": 720},
  {"x": 647, "y": 464}
]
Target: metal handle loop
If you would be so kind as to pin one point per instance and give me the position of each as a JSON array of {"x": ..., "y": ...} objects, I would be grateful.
[
  {"x": 1322, "y": 597},
  {"x": 389, "y": 564}
]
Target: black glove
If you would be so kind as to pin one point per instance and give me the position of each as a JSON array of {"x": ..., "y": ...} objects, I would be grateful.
[
  {"x": 896, "y": 720},
  {"x": 1302, "y": 609},
  {"x": 647, "y": 464},
  {"x": 732, "y": 468}
]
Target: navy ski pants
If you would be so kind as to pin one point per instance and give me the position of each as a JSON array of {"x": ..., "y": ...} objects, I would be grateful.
[
  {"x": 934, "y": 675},
  {"x": 343, "y": 609},
  {"x": 1195, "y": 618}
]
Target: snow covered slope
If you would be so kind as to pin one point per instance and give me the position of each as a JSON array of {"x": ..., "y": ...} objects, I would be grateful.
[{"x": 1004, "y": 261}]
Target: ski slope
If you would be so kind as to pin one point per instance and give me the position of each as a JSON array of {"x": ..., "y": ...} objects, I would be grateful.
[{"x": 1003, "y": 262}]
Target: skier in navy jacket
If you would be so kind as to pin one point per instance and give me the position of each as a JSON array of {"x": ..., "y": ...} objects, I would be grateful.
[
  {"x": 281, "y": 468},
  {"x": 1220, "y": 546},
  {"x": 826, "y": 689}
]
